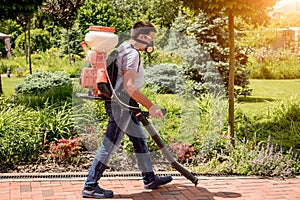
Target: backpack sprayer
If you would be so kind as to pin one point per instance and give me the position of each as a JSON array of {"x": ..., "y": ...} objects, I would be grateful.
[
  {"x": 101, "y": 40},
  {"x": 96, "y": 79}
]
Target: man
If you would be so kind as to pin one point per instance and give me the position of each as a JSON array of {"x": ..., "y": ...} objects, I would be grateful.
[{"x": 121, "y": 120}]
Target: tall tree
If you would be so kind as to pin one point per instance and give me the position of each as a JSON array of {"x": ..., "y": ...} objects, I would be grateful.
[
  {"x": 10, "y": 9},
  {"x": 64, "y": 12},
  {"x": 231, "y": 8},
  {"x": 122, "y": 14}
]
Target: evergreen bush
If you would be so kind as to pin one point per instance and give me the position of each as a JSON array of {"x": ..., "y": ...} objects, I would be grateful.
[
  {"x": 40, "y": 87},
  {"x": 164, "y": 79},
  {"x": 202, "y": 42}
]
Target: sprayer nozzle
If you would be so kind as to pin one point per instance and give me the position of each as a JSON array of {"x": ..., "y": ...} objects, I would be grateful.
[{"x": 196, "y": 182}]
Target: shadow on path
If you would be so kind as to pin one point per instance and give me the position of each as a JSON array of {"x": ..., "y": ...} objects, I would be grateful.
[{"x": 178, "y": 191}]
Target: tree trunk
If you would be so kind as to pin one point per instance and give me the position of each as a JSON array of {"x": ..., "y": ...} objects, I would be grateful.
[
  {"x": 25, "y": 44},
  {"x": 29, "y": 53},
  {"x": 231, "y": 78},
  {"x": 1, "y": 91},
  {"x": 69, "y": 49}
]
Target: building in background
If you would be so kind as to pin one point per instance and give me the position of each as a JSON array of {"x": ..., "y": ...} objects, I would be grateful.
[{"x": 7, "y": 44}]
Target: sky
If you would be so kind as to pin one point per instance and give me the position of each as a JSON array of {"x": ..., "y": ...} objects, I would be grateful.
[{"x": 288, "y": 5}]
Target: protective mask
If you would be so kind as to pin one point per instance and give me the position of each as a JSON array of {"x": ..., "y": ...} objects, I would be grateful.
[{"x": 149, "y": 46}]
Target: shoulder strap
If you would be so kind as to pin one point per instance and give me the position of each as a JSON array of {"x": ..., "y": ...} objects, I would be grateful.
[{"x": 131, "y": 46}]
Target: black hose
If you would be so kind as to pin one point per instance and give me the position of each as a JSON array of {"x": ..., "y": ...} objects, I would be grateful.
[{"x": 141, "y": 116}]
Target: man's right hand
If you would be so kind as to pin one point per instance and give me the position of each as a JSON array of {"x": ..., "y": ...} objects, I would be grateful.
[{"x": 156, "y": 112}]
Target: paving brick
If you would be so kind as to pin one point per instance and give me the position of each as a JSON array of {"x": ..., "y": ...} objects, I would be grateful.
[
  {"x": 26, "y": 188},
  {"x": 47, "y": 193},
  {"x": 208, "y": 188}
]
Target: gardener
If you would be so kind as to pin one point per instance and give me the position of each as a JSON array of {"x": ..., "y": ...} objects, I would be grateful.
[{"x": 130, "y": 78}]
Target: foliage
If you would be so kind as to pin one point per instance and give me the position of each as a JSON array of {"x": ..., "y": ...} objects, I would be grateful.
[
  {"x": 248, "y": 34},
  {"x": 48, "y": 61},
  {"x": 39, "y": 41},
  {"x": 90, "y": 121},
  {"x": 217, "y": 8},
  {"x": 202, "y": 63},
  {"x": 265, "y": 160},
  {"x": 253, "y": 11},
  {"x": 55, "y": 121},
  {"x": 268, "y": 64},
  {"x": 26, "y": 132},
  {"x": 19, "y": 147},
  {"x": 209, "y": 33},
  {"x": 41, "y": 81},
  {"x": 123, "y": 14},
  {"x": 262, "y": 159},
  {"x": 164, "y": 79},
  {"x": 66, "y": 150},
  {"x": 75, "y": 37},
  {"x": 282, "y": 123},
  {"x": 181, "y": 122},
  {"x": 40, "y": 87},
  {"x": 11, "y": 9},
  {"x": 11, "y": 28},
  {"x": 18, "y": 139},
  {"x": 63, "y": 12},
  {"x": 259, "y": 150},
  {"x": 161, "y": 12},
  {"x": 100, "y": 12}
]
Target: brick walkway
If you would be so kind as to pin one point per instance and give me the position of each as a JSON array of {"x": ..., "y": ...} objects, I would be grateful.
[{"x": 180, "y": 188}]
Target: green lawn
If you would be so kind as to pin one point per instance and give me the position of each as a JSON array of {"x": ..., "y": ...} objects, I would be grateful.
[
  {"x": 9, "y": 84},
  {"x": 266, "y": 93}
]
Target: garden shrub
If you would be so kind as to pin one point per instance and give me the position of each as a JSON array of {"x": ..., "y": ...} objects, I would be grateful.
[
  {"x": 39, "y": 41},
  {"x": 246, "y": 158},
  {"x": 55, "y": 121},
  {"x": 164, "y": 79},
  {"x": 20, "y": 147},
  {"x": 17, "y": 65},
  {"x": 282, "y": 124},
  {"x": 202, "y": 43},
  {"x": 263, "y": 159},
  {"x": 40, "y": 87},
  {"x": 19, "y": 140},
  {"x": 26, "y": 132},
  {"x": 268, "y": 64},
  {"x": 66, "y": 150}
]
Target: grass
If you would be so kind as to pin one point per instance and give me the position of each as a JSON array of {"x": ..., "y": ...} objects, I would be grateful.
[
  {"x": 9, "y": 84},
  {"x": 266, "y": 93}
]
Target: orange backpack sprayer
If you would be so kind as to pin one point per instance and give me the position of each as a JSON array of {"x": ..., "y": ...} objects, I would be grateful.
[{"x": 101, "y": 40}]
